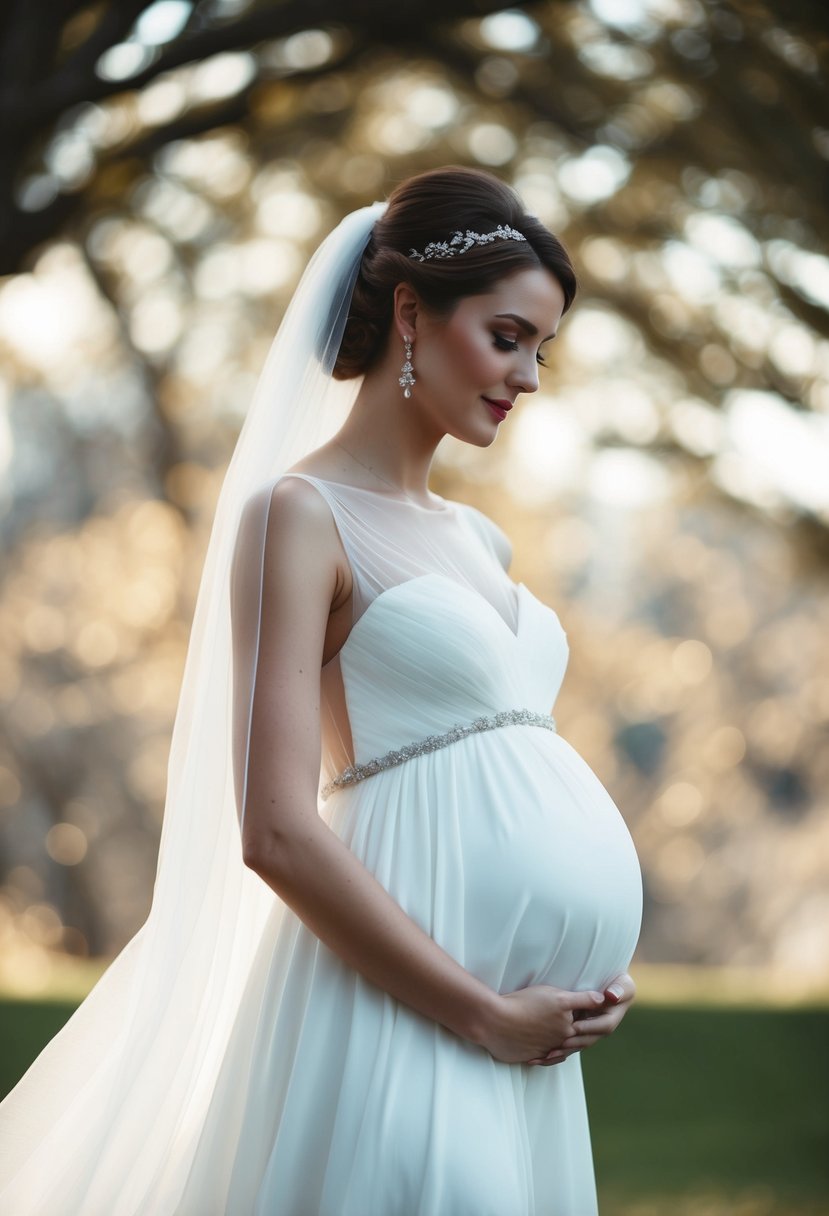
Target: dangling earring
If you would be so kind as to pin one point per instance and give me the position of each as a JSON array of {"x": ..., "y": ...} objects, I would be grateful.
[{"x": 407, "y": 379}]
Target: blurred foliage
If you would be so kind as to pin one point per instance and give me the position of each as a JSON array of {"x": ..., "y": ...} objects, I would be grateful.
[{"x": 169, "y": 167}]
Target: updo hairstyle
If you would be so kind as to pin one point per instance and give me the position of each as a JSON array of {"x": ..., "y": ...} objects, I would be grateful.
[{"x": 430, "y": 207}]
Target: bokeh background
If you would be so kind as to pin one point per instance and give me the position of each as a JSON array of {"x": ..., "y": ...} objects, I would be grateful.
[{"x": 167, "y": 169}]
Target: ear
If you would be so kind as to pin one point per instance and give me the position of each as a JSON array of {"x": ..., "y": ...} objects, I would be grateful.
[{"x": 405, "y": 310}]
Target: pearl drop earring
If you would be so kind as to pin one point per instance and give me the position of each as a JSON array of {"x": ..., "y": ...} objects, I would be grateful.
[{"x": 407, "y": 379}]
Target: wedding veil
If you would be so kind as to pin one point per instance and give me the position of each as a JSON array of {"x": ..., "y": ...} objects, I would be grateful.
[{"x": 106, "y": 1120}]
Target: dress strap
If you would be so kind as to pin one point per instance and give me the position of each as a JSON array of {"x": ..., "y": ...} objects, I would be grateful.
[{"x": 388, "y": 540}]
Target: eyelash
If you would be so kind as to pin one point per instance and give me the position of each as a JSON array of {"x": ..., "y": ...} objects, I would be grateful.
[{"x": 505, "y": 344}]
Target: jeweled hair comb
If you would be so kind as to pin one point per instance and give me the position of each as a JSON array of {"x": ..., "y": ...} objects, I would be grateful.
[{"x": 461, "y": 241}]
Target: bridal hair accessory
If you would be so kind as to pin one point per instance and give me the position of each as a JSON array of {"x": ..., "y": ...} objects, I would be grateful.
[
  {"x": 407, "y": 379},
  {"x": 75, "y": 1135},
  {"x": 460, "y": 242}
]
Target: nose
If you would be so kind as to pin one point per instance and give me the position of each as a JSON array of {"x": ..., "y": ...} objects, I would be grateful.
[{"x": 524, "y": 374}]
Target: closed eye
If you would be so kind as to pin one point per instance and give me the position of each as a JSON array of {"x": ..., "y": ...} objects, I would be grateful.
[{"x": 507, "y": 344}]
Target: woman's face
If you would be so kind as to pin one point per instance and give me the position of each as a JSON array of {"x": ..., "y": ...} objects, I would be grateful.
[{"x": 488, "y": 350}]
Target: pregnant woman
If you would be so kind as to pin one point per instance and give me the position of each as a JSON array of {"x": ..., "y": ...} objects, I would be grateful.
[{"x": 393, "y": 903}]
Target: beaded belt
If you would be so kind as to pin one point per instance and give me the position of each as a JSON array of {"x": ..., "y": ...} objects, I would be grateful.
[{"x": 358, "y": 772}]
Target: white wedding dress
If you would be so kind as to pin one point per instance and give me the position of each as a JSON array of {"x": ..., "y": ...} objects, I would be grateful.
[
  {"x": 503, "y": 845},
  {"x": 330, "y": 1098}
]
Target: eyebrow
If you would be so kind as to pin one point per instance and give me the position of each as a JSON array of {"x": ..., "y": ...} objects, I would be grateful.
[{"x": 526, "y": 325}]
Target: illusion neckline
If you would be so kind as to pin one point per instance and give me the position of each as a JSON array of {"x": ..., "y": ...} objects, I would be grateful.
[
  {"x": 384, "y": 494},
  {"x": 388, "y": 594}
]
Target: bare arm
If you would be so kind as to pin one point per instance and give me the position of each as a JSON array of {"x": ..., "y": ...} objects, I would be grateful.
[{"x": 287, "y": 843}]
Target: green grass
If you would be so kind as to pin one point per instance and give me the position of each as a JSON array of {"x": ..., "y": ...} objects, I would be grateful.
[
  {"x": 695, "y": 1110},
  {"x": 25, "y": 1027},
  {"x": 730, "y": 1105}
]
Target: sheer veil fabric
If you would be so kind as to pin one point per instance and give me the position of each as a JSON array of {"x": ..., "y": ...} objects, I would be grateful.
[{"x": 106, "y": 1120}]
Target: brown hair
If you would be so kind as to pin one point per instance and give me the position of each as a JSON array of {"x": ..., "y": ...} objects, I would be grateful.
[{"x": 430, "y": 207}]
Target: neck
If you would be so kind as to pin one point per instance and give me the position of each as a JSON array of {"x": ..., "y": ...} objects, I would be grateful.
[{"x": 387, "y": 435}]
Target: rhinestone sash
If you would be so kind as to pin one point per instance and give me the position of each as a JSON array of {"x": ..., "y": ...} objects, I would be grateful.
[{"x": 358, "y": 772}]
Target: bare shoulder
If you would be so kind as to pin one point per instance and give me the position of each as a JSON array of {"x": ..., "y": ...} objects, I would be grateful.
[
  {"x": 494, "y": 534},
  {"x": 296, "y": 504},
  {"x": 302, "y": 538}
]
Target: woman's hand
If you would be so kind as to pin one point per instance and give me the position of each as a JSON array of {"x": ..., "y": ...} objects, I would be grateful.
[
  {"x": 592, "y": 1025},
  {"x": 531, "y": 1022}
]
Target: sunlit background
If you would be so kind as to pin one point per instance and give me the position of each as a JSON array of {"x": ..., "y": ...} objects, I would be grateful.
[{"x": 667, "y": 489}]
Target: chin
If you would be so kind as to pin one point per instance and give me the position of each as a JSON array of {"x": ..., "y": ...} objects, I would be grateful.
[{"x": 478, "y": 439}]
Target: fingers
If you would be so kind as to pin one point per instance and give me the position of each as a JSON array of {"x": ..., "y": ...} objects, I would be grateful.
[
  {"x": 595, "y": 1016},
  {"x": 594, "y": 1030},
  {"x": 590, "y": 999},
  {"x": 621, "y": 989},
  {"x": 557, "y": 1056},
  {"x": 575, "y": 1044},
  {"x": 589, "y": 1040}
]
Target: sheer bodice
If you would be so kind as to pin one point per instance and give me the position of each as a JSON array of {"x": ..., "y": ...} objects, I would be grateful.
[{"x": 449, "y": 556}]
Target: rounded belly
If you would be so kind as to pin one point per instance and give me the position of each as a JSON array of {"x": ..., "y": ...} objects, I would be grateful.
[
  {"x": 507, "y": 849},
  {"x": 552, "y": 883}
]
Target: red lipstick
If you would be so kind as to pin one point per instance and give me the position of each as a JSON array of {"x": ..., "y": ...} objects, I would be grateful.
[{"x": 499, "y": 407}]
